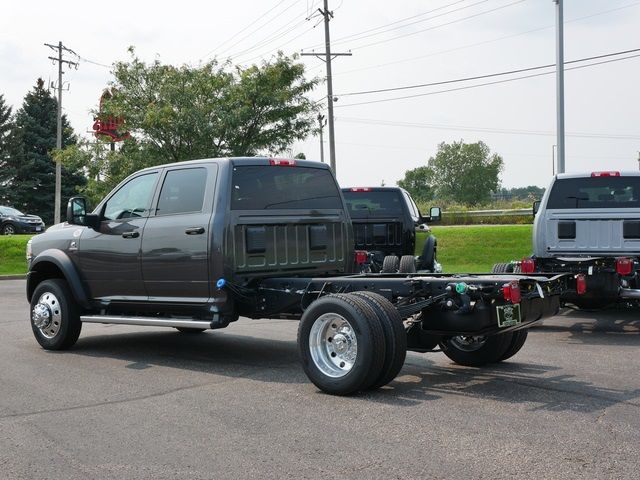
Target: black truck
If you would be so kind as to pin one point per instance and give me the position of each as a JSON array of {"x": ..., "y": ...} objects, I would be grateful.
[
  {"x": 194, "y": 245},
  {"x": 384, "y": 221}
]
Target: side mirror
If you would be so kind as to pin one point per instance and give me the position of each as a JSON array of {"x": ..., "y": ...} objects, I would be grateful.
[
  {"x": 536, "y": 207},
  {"x": 435, "y": 213},
  {"x": 77, "y": 213}
]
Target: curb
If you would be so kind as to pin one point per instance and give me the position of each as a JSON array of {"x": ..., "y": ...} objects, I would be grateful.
[{"x": 13, "y": 277}]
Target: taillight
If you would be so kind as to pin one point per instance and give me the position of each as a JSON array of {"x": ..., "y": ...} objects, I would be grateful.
[
  {"x": 361, "y": 257},
  {"x": 605, "y": 174},
  {"x": 528, "y": 265},
  {"x": 361, "y": 189},
  {"x": 511, "y": 292},
  {"x": 624, "y": 266},
  {"x": 581, "y": 284},
  {"x": 282, "y": 162}
]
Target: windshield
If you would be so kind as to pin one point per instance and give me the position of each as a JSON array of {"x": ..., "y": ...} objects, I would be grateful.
[
  {"x": 595, "y": 192},
  {"x": 270, "y": 188},
  {"x": 373, "y": 204},
  {"x": 11, "y": 212}
]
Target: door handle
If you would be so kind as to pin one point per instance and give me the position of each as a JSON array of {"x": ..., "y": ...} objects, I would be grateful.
[
  {"x": 194, "y": 231},
  {"x": 133, "y": 234}
]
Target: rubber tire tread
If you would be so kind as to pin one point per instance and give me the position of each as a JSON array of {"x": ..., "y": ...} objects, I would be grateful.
[
  {"x": 499, "y": 268},
  {"x": 491, "y": 352},
  {"x": 407, "y": 264},
  {"x": 395, "y": 337},
  {"x": 371, "y": 344},
  {"x": 517, "y": 342},
  {"x": 390, "y": 264},
  {"x": 70, "y": 318}
]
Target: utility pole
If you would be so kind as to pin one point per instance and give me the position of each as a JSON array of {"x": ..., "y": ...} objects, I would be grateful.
[
  {"x": 61, "y": 62},
  {"x": 322, "y": 122},
  {"x": 560, "y": 84},
  {"x": 328, "y": 56}
]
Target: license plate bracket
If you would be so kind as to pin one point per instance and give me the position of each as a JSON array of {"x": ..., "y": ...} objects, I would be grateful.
[{"x": 508, "y": 315}]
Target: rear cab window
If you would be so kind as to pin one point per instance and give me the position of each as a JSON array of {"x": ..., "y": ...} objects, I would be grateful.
[
  {"x": 595, "y": 192},
  {"x": 372, "y": 204},
  {"x": 283, "y": 188}
]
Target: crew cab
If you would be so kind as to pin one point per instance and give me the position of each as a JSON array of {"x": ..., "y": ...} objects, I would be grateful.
[
  {"x": 588, "y": 224},
  {"x": 384, "y": 221},
  {"x": 194, "y": 245}
]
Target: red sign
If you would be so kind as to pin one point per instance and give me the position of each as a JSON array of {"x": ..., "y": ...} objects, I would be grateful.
[{"x": 111, "y": 127}]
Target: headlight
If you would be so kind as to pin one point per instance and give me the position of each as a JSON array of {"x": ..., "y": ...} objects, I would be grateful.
[{"x": 29, "y": 252}]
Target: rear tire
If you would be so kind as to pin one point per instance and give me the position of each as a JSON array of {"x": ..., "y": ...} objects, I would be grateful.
[
  {"x": 390, "y": 264},
  {"x": 476, "y": 351},
  {"x": 499, "y": 268},
  {"x": 55, "y": 315},
  {"x": 190, "y": 330},
  {"x": 517, "y": 342},
  {"x": 341, "y": 344},
  {"x": 407, "y": 264},
  {"x": 394, "y": 334}
]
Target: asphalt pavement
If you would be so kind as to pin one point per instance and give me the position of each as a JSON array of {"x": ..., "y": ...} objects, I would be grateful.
[{"x": 138, "y": 402}]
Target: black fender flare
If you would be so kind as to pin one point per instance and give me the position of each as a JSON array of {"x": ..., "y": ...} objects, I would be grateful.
[{"x": 61, "y": 260}]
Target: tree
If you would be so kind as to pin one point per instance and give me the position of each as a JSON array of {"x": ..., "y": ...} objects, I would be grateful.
[
  {"x": 465, "y": 172},
  {"x": 182, "y": 113},
  {"x": 7, "y": 145},
  {"x": 418, "y": 183},
  {"x": 30, "y": 172}
]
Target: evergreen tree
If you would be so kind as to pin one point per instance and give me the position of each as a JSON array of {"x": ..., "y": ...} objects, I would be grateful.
[
  {"x": 31, "y": 170},
  {"x": 7, "y": 145}
]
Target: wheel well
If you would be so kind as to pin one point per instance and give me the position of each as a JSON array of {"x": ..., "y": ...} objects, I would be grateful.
[{"x": 41, "y": 272}]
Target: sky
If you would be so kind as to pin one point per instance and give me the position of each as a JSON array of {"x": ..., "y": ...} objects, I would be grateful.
[{"x": 393, "y": 44}]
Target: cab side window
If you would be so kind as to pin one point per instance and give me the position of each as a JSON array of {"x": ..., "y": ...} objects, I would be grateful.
[
  {"x": 132, "y": 200},
  {"x": 182, "y": 191}
]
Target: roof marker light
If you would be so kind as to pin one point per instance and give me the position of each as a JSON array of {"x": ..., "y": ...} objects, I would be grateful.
[{"x": 361, "y": 189}]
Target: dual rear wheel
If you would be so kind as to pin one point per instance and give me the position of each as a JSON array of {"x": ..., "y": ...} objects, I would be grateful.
[{"x": 351, "y": 342}]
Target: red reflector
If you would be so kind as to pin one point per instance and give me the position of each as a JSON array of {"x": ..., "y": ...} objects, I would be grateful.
[
  {"x": 624, "y": 266},
  {"x": 361, "y": 257},
  {"x": 361, "y": 189},
  {"x": 528, "y": 265},
  {"x": 282, "y": 162},
  {"x": 511, "y": 292},
  {"x": 581, "y": 284},
  {"x": 605, "y": 174}
]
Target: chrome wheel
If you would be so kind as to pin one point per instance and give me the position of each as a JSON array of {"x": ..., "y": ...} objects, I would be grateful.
[
  {"x": 468, "y": 343},
  {"x": 47, "y": 315},
  {"x": 333, "y": 345}
]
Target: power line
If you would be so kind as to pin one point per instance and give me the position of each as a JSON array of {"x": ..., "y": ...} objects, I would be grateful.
[
  {"x": 390, "y": 123},
  {"x": 490, "y": 75},
  {"x": 484, "y": 84},
  {"x": 243, "y": 30},
  {"x": 439, "y": 26},
  {"x": 475, "y": 44},
  {"x": 347, "y": 37}
]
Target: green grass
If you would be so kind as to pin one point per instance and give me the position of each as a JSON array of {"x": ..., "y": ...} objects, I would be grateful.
[
  {"x": 12, "y": 254},
  {"x": 468, "y": 249},
  {"x": 464, "y": 249}
]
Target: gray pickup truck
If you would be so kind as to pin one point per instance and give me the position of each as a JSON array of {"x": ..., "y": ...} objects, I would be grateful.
[
  {"x": 194, "y": 245},
  {"x": 588, "y": 224}
]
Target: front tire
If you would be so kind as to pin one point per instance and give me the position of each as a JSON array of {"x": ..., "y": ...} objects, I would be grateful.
[
  {"x": 55, "y": 315},
  {"x": 8, "y": 229},
  {"x": 341, "y": 344},
  {"x": 476, "y": 351}
]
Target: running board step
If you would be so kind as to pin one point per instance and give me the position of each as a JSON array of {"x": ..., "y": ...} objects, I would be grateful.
[{"x": 145, "y": 321}]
